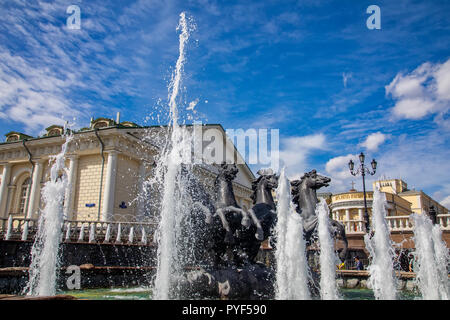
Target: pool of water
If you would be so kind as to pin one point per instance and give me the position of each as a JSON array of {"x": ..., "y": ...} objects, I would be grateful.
[
  {"x": 138, "y": 293},
  {"x": 367, "y": 294},
  {"x": 144, "y": 293}
]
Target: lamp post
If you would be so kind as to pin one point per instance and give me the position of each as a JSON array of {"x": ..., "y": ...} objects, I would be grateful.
[{"x": 362, "y": 169}]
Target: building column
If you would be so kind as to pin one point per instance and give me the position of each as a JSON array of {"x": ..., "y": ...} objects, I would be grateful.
[
  {"x": 10, "y": 197},
  {"x": 35, "y": 192},
  {"x": 6, "y": 175},
  {"x": 71, "y": 184},
  {"x": 360, "y": 218},
  {"x": 347, "y": 220},
  {"x": 110, "y": 186}
]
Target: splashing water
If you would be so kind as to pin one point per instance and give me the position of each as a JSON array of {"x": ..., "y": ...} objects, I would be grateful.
[
  {"x": 168, "y": 173},
  {"x": 44, "y": 253},
  {"x": 292, "y": 273},
  {"x": 328, "y": 258},
  {"x": 381, "y": 269},
  {"x": 431, "y": 259},
  {"x": 442, "y": 259}
]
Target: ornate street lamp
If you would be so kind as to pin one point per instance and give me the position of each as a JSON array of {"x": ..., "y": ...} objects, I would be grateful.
[{"x": 362, "y": 169}]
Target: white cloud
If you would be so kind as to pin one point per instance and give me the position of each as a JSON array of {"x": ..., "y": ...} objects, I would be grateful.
[
  {"x": 373, "y": 141},
  {"x": 426, "y": 90},
  {"x": 337, "y": 164},
  {"x": 446, "y": 202},
  {"x": 338, "y": 171},
  {"x": 442, "y": 76},
  {"x": 58, "y": 74},
  {"x": 33, "y": 96},
  {"x": 345, "y": 78},
  {"x": 296, "y": 150},
  {"x": 415, "y": 108}
]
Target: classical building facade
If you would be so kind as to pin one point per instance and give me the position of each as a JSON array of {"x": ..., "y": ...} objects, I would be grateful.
[
  {"x": 348, "y": 207},
  {"x": 107, "y": 164},
  {"x": 419, "y": 201}
]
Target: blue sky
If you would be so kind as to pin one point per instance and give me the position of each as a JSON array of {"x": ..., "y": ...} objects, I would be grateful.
[{"x": 311, "y": 69}]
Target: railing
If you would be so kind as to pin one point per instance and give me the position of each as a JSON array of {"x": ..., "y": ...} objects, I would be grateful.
[
  {"x": 354, "y": 226},
  {"x": 444, "y": 221},
  {"x": 395, "y": 223},
  {"x": 18, "y": 228},
  {"x": 399, "y": 223},
  {"x": 83, "y": 231}
]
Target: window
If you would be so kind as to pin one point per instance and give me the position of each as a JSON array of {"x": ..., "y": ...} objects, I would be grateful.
[
  {"x": 54, "y": 132},
  {"x": 24, "y": 195},
  {"x": 12, "y": 138},
  {"x": 101, "y": 124}
]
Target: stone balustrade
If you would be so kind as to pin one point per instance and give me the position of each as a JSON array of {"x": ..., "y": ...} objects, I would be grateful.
[
  {"x": 15, "y": 228},
  {"x": 395, "y": 223}
]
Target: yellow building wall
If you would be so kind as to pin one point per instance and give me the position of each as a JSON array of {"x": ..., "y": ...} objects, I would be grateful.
[
  {"x": 127, "y": 188},
  {"x": 427, "y": 202},
  {"x": 402, "y": 207},
  {"x": 414, "y": 199},
  {"x": 391, "y": 185},
  {"x": 88, "y": 186}
]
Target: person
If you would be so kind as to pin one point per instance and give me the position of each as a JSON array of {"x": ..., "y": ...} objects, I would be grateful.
[{"x": 359, "y": 265}]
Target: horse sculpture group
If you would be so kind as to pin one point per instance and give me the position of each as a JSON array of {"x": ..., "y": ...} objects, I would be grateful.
[
  {"x": 242, "y": 231},
  {"x": 231, "y": 236}
]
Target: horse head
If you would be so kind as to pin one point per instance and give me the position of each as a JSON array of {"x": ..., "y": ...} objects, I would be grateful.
[
  {"x": 266, "y": 182},
  {"x": 228, "y": 171},
  {"x": 304, "y": 191},
  {"x": 314, "y": 180}
]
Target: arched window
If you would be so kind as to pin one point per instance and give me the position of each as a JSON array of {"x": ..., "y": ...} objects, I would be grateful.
[
  {"x": 12, "y": 138},
  {"x": 100, "y": 124},
  {"x": 54, "y": 132},
  {"x": 24, "y": 191}
]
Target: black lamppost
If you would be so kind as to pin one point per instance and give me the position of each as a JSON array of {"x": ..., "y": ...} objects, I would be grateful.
[{"x": 362, "y": 169}]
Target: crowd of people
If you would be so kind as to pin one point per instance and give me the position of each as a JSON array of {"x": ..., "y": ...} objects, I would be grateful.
[{"x": 403, "y": 261}]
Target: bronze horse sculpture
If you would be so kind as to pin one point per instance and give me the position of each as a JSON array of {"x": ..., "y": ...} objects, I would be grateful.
[
  {"x": 230, "y": 213},
  {"x": 263, "y": 215},
  {"x": 304, "y": 192},
  {"x": 232, "y": 236}
]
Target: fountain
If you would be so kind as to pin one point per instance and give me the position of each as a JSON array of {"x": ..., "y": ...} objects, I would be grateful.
[
  {"x": 442, "y": 259},
  {"x": 44, "y": 253},
  {"x": 168, "y": 174},
  {"x": 328, "y": 258},
  {"x": 292, "y": 271},
  {"x": 207, "y": 245},
  {"x": 381, "y": 269},
  {"x": 431, "y": 258}
]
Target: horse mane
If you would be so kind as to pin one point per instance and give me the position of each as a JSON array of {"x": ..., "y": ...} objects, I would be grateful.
[
  {"x": 255, "y": 188},
  {"x": 295, "y": 192}
]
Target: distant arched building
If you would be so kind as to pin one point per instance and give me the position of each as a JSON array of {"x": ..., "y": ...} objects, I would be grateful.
[{"x": 348, "y": 208}]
